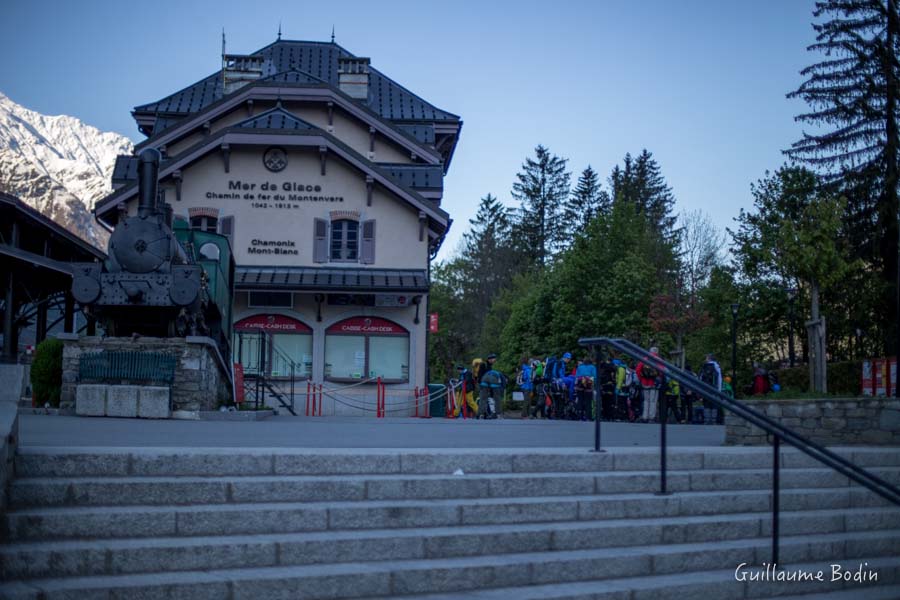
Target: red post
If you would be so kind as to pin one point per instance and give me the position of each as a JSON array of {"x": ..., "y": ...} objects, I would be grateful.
[
  {"x": 320, "y": 399},
  {"x": 314, "y": 401},
  {"x": 379, "y": 409},
  {"x": 308, "y": 384}
]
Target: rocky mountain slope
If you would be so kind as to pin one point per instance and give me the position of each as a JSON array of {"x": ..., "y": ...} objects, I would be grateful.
[{"x": 58, "y": 165}]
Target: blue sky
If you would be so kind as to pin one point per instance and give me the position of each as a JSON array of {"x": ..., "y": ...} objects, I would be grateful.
[{"x": 700, "y": 84}]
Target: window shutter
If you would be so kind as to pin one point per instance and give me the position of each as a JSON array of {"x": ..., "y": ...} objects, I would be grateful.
[
  {"x": 226, "y": 228},
  {"x": 320, "y": 241},
  {"x": 367, "y": 243}
]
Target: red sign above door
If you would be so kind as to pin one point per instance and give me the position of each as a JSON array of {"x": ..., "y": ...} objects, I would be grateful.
[
  {"x": 272, "y": 324},
  {"x": 366, "y": 326}
]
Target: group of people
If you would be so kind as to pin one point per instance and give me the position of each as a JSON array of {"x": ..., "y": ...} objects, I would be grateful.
[
  {"x": 481, "y": 390},
  {"x": 564, "y": 389}
]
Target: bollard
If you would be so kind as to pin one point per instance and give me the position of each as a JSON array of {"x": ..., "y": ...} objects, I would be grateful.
[
  {"x": 379, "y": 400},
  {"x": 314, "y": 401},
  {"x": 308, "y": 384}
]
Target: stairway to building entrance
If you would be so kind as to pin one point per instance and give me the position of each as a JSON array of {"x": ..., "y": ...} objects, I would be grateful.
[{"x": 510, "y": 524}]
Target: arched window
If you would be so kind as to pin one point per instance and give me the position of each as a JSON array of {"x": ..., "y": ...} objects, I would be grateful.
[
  {"x": 345, "y": 240},
  {"x": 367, "y": 347}
]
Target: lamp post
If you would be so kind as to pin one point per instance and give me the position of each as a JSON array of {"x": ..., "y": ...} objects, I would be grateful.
[
  {"x": 734, "y": 313},
  {"x": 792, "y": 296}
]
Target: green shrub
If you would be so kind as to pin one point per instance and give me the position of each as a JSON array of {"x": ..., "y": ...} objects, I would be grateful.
[
  {"x": 843, "y": 378},
  {"x": 46, "y": 372}
]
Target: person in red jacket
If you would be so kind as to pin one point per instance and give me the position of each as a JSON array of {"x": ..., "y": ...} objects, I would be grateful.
[{"x": 650, "y": 378}]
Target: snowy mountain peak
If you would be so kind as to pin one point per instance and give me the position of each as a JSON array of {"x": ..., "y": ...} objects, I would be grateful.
[{"x": 58, "y": 165}]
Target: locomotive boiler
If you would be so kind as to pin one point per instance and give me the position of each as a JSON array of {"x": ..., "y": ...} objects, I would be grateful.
[{"x": 159, "y": 280}]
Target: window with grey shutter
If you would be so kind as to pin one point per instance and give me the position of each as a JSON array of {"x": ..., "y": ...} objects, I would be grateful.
[
  {"x": 320, "y": 241},
  {"x": 367, "y": 243},
  {"x": 226, "y": 228}
]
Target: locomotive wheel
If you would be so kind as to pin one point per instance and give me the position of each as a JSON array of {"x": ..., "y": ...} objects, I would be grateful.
[{"x": 85, "y": 289}]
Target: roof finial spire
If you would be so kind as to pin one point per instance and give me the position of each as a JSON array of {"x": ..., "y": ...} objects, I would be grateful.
[
  {"x": 223, "y": 41},
  {"x": 279, "y": 30},
  {"x": 332, "y": 34}
]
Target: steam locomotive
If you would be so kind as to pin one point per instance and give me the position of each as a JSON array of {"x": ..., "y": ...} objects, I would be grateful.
[{"x": 160, "y": 279}]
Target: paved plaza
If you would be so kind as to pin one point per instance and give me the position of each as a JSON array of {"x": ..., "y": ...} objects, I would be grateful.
[{"x": 351, "y": 432}]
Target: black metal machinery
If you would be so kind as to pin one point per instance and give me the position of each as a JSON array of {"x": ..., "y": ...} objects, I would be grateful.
[{"x": 154, "y": 282}]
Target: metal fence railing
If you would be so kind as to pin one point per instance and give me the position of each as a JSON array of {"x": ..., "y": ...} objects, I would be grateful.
[
  {"x": 131, "y": 366},
  {"x": 779, "y": 432}
]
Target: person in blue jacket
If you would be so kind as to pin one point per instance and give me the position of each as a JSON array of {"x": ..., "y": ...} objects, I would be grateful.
[{"x": 585, "y": 375}]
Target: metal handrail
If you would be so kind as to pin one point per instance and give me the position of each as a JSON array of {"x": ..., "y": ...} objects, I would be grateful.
[
  {"x": 779, "y": 432},
  {"x": 262, "y": 382}
]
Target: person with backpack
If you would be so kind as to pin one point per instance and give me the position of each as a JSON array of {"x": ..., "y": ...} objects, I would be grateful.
[
  {"x": 650, "y": 378},
  {"x": 491, "y": 388},
  {"x": 526, "y": 385},
  {"x": 711, "y": 374},
  {"x": 606, "y": 379},
  {"x": 687, "y": 401},
  {"x": 538, "y": 390},
  {"x": 673, "y": 399},
  {"x": 585, "y": 375}
]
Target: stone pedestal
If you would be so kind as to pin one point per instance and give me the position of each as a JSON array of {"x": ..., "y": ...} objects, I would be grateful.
[{"x": 202, "y": 379}]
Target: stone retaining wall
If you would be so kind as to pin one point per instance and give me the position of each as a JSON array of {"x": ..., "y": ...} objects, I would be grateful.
[
  {"x": 851, "y": 421},
  {"x": 201, "y": 380}
]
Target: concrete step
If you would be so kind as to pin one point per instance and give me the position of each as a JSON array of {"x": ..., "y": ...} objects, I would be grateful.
[
  {"x": 120, "y": 556},
  {"x": 237, "y": 518},
  {"x": 96, "y": 491},
  {"x": 120, "y": 462},
  {"x": 641, "y": 570}
]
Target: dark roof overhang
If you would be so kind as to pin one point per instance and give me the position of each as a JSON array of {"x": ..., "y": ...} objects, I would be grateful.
[
  {"x": 13, "y": 209},
  {"x": 326, "y": 279}
]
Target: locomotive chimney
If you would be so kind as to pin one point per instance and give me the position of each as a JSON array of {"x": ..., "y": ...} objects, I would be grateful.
[{"x": 148, "y": 171}]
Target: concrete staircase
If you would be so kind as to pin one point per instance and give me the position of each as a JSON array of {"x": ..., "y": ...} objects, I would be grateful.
[{"x": 530, "y": 524}]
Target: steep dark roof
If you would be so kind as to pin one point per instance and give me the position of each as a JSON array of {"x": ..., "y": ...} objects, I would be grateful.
[
  {"x": 277, "y": 118},
  {"x": 305, "y": 63}
]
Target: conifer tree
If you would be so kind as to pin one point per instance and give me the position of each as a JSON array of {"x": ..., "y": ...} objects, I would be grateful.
[
  {"x": 586, "y": 202},
  {"x": 853, "y": 94},
  {"x": 639, "y": 182},
  {"x": 542, "y": 187}
]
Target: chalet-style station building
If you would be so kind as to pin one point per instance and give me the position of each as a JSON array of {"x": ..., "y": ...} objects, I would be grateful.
[{"x": 327, "y": 176}]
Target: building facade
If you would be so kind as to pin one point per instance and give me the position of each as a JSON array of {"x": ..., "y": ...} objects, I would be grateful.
[{"x": 327, "y": 177}]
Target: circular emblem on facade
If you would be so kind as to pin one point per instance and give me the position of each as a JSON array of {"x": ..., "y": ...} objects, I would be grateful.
[{"x": 275, "y": 159}]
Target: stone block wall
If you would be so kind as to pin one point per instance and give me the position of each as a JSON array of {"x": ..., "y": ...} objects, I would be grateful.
[
  {"x": 831, "y": 422},
  {"x": 202, "y": 380}
]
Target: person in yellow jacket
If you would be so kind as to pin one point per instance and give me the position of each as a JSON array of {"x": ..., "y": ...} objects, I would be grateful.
[{"x": 470, "y": 383}]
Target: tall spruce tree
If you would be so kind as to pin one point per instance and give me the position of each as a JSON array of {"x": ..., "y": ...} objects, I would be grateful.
[
  {"x": 542, "y": 187},
  {"x": 639, "y": 182},
  {"x": 854, "y": 95},
  {"x": 585, "y": 202}
]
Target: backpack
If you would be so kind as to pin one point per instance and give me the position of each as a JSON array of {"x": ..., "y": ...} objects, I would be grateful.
[
  {"x": 537, "y": 370},
  {"x": 648, "y": 372},
  {"x": 630, "y": 377},
  {"x": 551, "y": 368},
  {"x": 524, "y": 376},
  {"x": 708, "y": 374}
]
